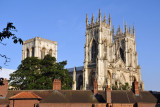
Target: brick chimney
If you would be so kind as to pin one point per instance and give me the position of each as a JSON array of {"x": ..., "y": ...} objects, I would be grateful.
[
  {"x": 95, "y": 86},
  {"x": 57, "y": 84},
  {"x": 135, "y": 88},
  {"x": 3, "y": 87},
  {"x": 108, "y": 94}
]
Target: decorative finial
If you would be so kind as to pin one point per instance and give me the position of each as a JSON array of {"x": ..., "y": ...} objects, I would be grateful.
[
  {"x": 105, "y": 19},
  {"x": 133, "y": 30},
  {"x": 126, "y": 30},
  {"x": 129, "y": 29},
  {"x": 92, "y": 20},
  {"x": 96, "y": 20},
  {"x": 74, "y": 69},
  {"x": 113, "y": 32},
  {"x": 99, "y": 15},
  {"x": 86, "y": 19},
  {"x": 109, "y": 19},
  {"x": 119, "y": 29}
]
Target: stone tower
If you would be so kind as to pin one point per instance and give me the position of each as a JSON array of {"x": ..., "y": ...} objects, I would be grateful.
[
  {"x": 39, "y": 47},
  {"x": 111, "y": 58}
]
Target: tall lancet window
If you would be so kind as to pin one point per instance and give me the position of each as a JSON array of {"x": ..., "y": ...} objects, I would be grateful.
[
  {"x": 27, "y": 52},
  {"x": 43, "y": 53},
  {"x": 94, "y": 51},
  {"x": 122, "y": 54},
  {"x": 32, "y": 51},
  {"x": 130, "y": 55},
  {"x": 50, "y": 52}
]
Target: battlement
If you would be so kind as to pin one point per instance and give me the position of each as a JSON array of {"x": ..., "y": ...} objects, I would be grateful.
[{"x": 98, "y": 22}]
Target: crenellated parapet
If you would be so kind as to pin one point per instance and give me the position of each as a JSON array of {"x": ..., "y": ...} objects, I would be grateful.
[{"x": 98, "y": 21}]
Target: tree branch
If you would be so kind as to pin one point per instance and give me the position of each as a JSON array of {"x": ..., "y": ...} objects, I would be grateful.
[{"x": 6, "y": 59}]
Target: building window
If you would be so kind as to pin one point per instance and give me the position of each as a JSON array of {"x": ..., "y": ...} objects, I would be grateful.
[
  {"x": 43, "y": 53},
  {"x": 94, "y": 51},
  {"x": 27, "y": 52},
  {"x": 32, "y": 51},
  {"x": 50, "y": 52}
]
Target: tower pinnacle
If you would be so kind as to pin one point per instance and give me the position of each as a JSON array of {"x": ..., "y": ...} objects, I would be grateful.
[
  {"x": 105, "y": 19},
  {"x": 129, "y": 29},
  {"x": 119, "y": 29},
  {"x": 126, "y": 30},
  {"x": 109, "y": 19},
  {"x": 133, "y": 30},
  {"x": 99, "y": 15},
  {"x": 86, "y": 19},
  {"x": 113, "y": 32},
  {"x": 92, "y": 20}
]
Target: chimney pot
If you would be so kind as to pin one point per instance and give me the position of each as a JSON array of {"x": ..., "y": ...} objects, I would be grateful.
[
  {"x": 108, "y": 94},
  {"x": 95, "y": 86},
  {"x": 57, "y": 84},
  {"x": 135, "y": 88}
]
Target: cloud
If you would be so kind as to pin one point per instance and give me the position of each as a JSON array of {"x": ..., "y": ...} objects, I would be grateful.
[{"x": 4, "y": 73}]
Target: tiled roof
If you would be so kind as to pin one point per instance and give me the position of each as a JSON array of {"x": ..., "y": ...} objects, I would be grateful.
[
  {"x": 127, "y": 96},
  {"x": 25, "y": 95},
  {"x": 70, "y": 96},
  {"x": 82, "y": 96}
]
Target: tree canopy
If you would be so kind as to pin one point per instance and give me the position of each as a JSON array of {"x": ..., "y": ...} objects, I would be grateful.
[
  {"x": 34, "y": 73},
  {"x": 6, "y": 34}
]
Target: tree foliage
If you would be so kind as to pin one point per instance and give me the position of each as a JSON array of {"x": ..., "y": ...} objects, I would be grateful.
[
  {"x": 6, "y": 34},
  {"x": 36, "y": 73}
]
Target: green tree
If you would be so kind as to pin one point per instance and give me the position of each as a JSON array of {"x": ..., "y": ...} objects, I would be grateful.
[
  {"x": 7, "y": 33},
  {"x": 36, "y": 73}
]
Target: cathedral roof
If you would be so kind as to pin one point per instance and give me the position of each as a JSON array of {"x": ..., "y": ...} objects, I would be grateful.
[{"x": 80, "y": 68}]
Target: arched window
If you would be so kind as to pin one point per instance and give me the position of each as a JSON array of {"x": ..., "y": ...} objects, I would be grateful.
[
  {"x": 43, "y": 53},
  {"x": 122, "y": 54},
  {"x": 32, "y": 51},
  {"x": 27, "y": 52},
  {"x": 130, "y": 57},
  {"x": 94, "y": 51},
  {"x": 50, "y": 52}
]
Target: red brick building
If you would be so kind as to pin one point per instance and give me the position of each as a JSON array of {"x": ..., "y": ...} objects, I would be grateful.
[{"x": 77, "y": 98}]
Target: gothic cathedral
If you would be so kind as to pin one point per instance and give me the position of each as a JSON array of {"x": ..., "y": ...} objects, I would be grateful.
[{"x": 110, "y": 58}]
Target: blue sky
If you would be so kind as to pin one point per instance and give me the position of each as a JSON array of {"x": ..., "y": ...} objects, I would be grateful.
[{"x": 64, "y": 22}]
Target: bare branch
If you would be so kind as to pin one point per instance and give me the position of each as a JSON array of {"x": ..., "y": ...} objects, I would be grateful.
[{"x": 6, "y": 59}]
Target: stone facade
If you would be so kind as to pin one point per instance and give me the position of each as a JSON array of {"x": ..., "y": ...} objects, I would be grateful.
[
  {"x": 111, "y": 58},
  {"x": 39, "y": 47}
]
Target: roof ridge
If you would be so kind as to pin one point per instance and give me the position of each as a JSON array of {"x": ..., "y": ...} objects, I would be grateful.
[{"x": 24, "y": 93}]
